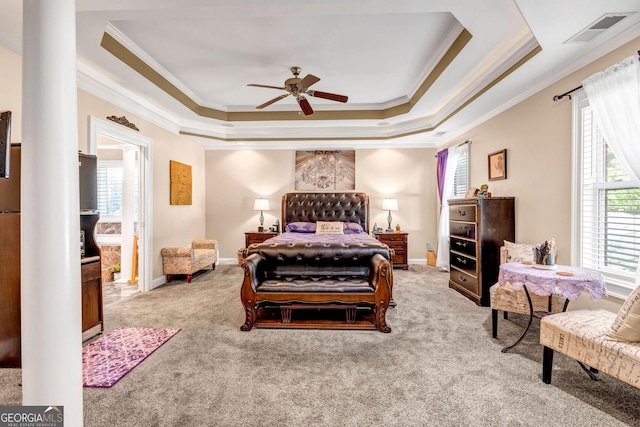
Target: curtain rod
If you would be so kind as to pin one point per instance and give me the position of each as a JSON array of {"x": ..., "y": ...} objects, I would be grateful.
[
  {"x": 559, "y": 97},
  {"x": 462, "y": 143}
]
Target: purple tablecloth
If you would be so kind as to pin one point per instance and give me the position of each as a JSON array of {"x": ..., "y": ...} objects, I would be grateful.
[{"x": 544, "y": 282}]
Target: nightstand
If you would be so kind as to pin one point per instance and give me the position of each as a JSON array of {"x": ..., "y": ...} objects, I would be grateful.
[
  {"x": 251, "y": 237},
  {"x": 398, "y": 242}
]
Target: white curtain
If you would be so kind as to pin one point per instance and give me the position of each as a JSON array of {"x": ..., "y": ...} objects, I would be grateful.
[
  {"x": 442, "y": 256},
  {"x": 614, "y": 97}
]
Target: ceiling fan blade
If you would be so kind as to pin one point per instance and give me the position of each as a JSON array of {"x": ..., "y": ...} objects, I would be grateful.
[
  {"x": 307, "y": 81},
  {"x": 327, "y": 95},
  {"x": 305, "y": 106},
  {"x": 266, "y": 104},
  {"x": 267, "y": 86}
]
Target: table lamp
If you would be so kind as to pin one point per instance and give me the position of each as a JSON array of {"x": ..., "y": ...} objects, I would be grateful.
[
  {"x": 261, "y": 205},
  {"x": 389, "y": 205}
]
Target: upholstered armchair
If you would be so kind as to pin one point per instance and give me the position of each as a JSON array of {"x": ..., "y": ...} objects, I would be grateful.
[
  {"x": 506, "y": 299},
  {"x": 188, "y": 260}
]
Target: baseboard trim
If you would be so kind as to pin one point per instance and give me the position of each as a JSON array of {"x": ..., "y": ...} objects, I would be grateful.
[{"x": 158, "y": 281}]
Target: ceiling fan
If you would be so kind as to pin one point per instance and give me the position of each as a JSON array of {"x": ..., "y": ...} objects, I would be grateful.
[{"x": 299, "y": 87}]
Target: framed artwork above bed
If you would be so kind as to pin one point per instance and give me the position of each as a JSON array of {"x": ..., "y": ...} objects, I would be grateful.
[{"x": 331, "y": 170}]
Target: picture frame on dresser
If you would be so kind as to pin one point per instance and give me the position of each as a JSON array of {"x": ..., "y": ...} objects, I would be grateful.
[{"x": 497, "y": 165}]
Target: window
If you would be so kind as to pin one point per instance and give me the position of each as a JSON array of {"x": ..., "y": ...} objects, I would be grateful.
[
  {"x": 110, "y": 176},
  {"x": 461, "y": 180},
  {"x": 607, "y": 206}
]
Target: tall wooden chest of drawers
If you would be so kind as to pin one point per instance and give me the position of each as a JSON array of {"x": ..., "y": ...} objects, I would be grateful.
[{"x": 478, "y": 228}]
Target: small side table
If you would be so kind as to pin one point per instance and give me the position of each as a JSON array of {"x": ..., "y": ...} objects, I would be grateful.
[
  {"x": 570, "y": 281},
  {"x": 397, "y": 241},
  {"x": 251, "y": 237}
]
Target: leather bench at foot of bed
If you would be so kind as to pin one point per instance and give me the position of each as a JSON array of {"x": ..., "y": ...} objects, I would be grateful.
[{"x": 319, "y": 300}]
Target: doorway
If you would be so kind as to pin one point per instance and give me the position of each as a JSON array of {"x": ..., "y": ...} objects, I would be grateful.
[{"x": 100, "y": 129}]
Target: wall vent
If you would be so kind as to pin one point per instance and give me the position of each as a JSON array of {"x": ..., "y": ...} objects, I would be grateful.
[{"x": 596, "y": 28}]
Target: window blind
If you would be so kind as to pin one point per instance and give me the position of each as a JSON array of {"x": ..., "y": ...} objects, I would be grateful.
[
  {"x": 461, "y": 179},
  {"x": 610, "y": 205},
  {"x": 110, "y": 180}
]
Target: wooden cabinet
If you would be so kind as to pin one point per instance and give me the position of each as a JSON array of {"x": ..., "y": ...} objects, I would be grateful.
[
  {"x": 10, "y": 290},
  {"x": 91, "y": 297},
  {"x": 91, "y": 277},
  {"x": 398, "y": 242},
  {"x": 252, "y": 237},
  {"x": 478, "y": 228}
]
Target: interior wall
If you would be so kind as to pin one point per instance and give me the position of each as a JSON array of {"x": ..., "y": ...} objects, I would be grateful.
[
  {"x": 537, "y": 134},
  {"x": 11, "y": 90},
  {"x": 236, "y": 178},
  {"x": 172, "y": 225}
]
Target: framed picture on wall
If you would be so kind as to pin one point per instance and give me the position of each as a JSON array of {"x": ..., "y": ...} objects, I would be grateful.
[{"x": 498, "y": 165}]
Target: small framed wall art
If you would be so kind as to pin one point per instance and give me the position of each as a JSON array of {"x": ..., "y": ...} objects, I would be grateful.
[{"x": 498, "y": 165}]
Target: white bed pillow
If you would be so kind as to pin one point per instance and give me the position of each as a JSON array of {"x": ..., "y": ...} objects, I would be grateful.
[{"x": 329, "y": 227}]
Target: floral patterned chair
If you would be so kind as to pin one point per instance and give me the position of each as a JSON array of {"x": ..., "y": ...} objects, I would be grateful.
[
  {"x": 188, "y": 260},
  {"x": 507, "y": 299}
]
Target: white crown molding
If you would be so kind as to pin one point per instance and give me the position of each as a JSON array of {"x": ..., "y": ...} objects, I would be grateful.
[
  {"x": 98, "y": 85},
  {"x": 614, "y": 43},
  {"x": 446, "y": 44},
  {"x": 148, "y": 60}
]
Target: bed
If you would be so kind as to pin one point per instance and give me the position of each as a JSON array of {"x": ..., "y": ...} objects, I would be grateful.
[{"x": 323, "y": 271}]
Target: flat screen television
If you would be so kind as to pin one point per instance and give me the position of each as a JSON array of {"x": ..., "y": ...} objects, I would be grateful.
[
  {"x": 88, "y": 182},
  {"x": 5, "y": 143}
]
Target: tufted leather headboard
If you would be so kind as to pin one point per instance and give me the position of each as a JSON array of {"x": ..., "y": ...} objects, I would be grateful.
[{"x": 312, "y": 207}]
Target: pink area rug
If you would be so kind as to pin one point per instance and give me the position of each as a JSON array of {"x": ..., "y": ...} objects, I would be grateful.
[{"x": 108, "y": 359}]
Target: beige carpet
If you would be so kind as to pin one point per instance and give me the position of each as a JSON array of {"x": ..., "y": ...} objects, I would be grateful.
[{"x": 438, "y": 367}]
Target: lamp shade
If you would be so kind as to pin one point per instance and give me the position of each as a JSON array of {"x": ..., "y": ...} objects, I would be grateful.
[
  {"x": 390, "y": 204},
  {"x": 261, "y": 205}
]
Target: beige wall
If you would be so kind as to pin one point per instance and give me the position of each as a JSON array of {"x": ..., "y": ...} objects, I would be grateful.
[
  {"x": 11, "y": 90},
  {"x": 537, "y": 134},
  {"x": 236, "y": 178},
  {"x": 172, "y": 225}
]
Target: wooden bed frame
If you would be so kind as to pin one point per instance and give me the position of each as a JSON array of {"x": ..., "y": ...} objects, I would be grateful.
[{"x": 337, "y": 290}]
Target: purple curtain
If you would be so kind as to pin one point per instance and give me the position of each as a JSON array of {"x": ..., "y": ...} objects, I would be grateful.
[{"x": 442, "y": 168}]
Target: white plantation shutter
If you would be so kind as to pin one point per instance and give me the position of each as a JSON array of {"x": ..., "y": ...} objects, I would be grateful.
[
  {"x": 461, "y": 179},
  {"x": 609, "y": 204},
  {"x": 110, "y": 175}
]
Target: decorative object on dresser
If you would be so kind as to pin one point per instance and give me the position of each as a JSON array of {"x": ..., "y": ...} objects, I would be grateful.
[
  {"x": 261, "y": 205},
  {"x": 188, "y": 260},
  {"x": 478, "y": 228},
  {"x": 397, "y": 241}
]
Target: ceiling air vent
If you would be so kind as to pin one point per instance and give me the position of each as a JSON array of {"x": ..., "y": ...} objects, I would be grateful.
[{"x": 596, "y": 28}]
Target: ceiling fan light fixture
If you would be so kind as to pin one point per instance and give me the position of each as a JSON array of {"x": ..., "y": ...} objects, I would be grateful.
[{"x": 298, "y": 87}]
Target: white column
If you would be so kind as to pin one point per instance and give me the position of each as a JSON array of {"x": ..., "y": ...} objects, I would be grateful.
[
  {"x": 128, "y": 197},
  {"x": 50, "y": 217}
]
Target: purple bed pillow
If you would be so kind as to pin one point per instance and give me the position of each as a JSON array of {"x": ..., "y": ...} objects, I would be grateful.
[
  {"x": 310, "y": 227},
  {"x": 301, "y": 227},
  {"x": 352, "y": 228}
]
